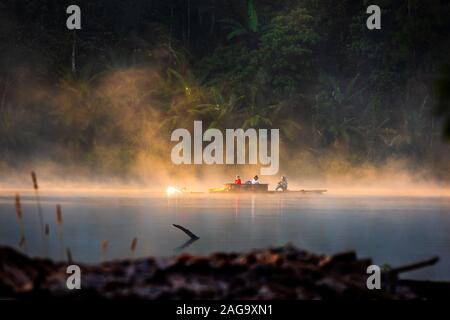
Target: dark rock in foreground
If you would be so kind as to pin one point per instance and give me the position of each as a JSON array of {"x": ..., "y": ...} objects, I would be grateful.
[{"x": 278, "y": 273}]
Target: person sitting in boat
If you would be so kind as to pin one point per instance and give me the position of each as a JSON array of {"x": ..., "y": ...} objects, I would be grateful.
[
  {"x": 238, "y": 180},
  {"x": 255, "y": 180},
  {"x": 283, "y": 184}
]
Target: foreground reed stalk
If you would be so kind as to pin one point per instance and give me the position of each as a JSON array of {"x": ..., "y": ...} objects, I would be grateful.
[
  {"x": 39, "y": 208},
  {"x": 104, "y": 250},
  {"x": 133, "y": 247},
  {"x": 69, "y": 256},
  {"x": 19, "y": 214},
  {"x": 60, "y": 228}
]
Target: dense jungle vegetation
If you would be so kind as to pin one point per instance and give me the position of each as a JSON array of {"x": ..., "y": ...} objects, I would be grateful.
[{"x": 138, "y": 69}]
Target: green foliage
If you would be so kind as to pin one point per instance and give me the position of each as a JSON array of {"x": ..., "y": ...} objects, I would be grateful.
[
  {"x": 239, "y": 29},
  {"x": 252, "y": 17},
  {"x": 286, "y": 49},
  {"x": 336, "y": 117},
  {"x": 310, "y": 68}
]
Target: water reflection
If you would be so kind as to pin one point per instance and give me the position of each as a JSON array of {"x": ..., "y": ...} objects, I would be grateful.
[
  {"x": 253, "y": 207},
  {"x": 185, "y": 245},
  {"x": 390, "y": 230},
  {"x": 237, "y": 201}
]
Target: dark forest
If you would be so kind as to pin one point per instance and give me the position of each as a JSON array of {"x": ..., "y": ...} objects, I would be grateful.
[{"x": 99, "y": 96}]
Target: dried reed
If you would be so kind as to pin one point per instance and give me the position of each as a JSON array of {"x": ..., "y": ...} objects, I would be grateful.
[
  {"x": 39, "y": 208},
  {"x": 69, "y": 255},
  {"x": 104, "y": 249},
  {"x": 58, "y": 215},
  {"x": 59, "y": 226},
  {"x": 133, "y": 247},
  {"x": 19, "y": 214},
  {"x": 34, "y": 178},
  {"x": 22, "y": 243},
  {"x": 18, "y": 208}
]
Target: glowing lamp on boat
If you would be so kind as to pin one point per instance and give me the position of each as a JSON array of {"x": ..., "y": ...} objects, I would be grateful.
[{"x": 172, "y": 190}]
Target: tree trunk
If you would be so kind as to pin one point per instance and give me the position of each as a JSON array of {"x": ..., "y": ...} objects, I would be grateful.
[
  {"x": 74, "y": 66},
  {"x": 188, "y": 22}
]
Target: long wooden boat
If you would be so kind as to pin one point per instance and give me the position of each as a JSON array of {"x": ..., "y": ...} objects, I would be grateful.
[{"x": 258, "y": 188}]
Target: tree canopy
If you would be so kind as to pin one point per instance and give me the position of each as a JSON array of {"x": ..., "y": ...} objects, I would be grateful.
[{"x": 310, "y": 68}]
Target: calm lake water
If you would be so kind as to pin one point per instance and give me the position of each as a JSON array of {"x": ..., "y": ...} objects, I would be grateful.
[{"x": 393, "y": 230}]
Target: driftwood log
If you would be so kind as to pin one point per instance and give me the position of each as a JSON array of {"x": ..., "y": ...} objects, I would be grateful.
[
  {"x": 414, "y": 266},
  {"x": 187, "y": 231}
]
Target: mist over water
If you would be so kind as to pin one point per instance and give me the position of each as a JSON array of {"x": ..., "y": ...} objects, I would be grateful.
[{"x": 393, "y": 179}]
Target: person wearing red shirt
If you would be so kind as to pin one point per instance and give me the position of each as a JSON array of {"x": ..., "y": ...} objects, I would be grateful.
[{"x": 238, "y": 180}]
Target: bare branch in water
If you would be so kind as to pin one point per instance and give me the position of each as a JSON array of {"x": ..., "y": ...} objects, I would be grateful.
[
  {"x": 415, "y": 266},
  {"x": 188, "y": 232}
]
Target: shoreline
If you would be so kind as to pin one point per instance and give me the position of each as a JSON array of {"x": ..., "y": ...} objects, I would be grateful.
[{"x": 282, "y": 273}]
